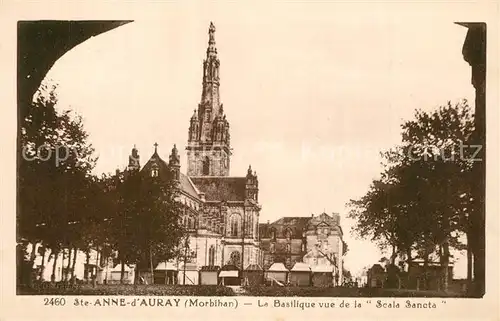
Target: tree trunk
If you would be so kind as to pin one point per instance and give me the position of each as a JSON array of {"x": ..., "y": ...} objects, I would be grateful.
[
  {"x": 122, "y": 273},
  {"x": 31, "y": 263},
  {"x": 75, "y": 252},
  {"x": 33, "y": 253},
  {"x": 68, "y": 266},
  {"x": 469, "y": 262},
  {"x": 136, "y": 275},
  {"x": 96, "y": 267},
  {"x": 409, "y": 260},
  {"x": 426, "y": 271},
  {"x": 151, "y": 266},
  {"x": 53, "y": 276},
  {"x": 446, "y": 261},
  {"x": 42, "y": 268},
  {"x": 86, "y": 276},
  {"x": 393, "y": 255}
]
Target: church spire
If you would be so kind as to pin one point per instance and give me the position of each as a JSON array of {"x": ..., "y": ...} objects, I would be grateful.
[
  {"x": 210, "y": 102},
  {"x": 211, "y": 50},
  {"x": 208, "y": 140}
]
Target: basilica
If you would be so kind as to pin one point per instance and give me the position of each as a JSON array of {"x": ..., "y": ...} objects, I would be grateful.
[
  {"x": 221, "y": 214},
  {"x": 222, "y": 211}
]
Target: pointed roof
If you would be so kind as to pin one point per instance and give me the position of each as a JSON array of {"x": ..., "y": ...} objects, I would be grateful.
[
  {"x": 186, "y": 185},
  {"x": 277, "y": 267},
  {"x": 301, "y": 267}
]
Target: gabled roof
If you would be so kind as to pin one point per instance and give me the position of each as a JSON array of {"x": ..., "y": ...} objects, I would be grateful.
[
  {"x": 163, "y": 169},
  {"x": 185, "y": 183},
  {"x": 221, "y": 188}
]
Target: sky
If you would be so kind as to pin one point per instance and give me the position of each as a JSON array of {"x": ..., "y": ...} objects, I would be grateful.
[{"x": 312, "y": 98}]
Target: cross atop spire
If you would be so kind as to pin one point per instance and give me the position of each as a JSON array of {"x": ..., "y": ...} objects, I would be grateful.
[{"x": 156, "y": 147}]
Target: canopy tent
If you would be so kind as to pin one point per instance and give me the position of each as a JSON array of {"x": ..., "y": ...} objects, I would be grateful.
[
  {"x": 277, "y": 274},
  {"x": 188, "y": 274},
  {"x": 301, "y": 267},
  {"x": 300, "y": 274},
  {"x": 253, "y": 275},
  {"x": 166, "y": 273},
  {"x": 114, "y": 275},
  {"x": 118, "y": 268},
  {"x": 322, "y": 269},
  {"x": 230, "y": 275},
  {"x": 322, "y": 275},
  {"x": 277, "y": 267},
  {"x": 166, "y": 266},
  {"x": 209, "y": 275}
]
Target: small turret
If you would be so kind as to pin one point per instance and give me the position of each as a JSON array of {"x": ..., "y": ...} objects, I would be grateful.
[
  {"x": 194, "y": 127},
  {"x": 174, "y": 163},
  {"x": 134, "y": 160},
  {"x": 252, "y": 185}
]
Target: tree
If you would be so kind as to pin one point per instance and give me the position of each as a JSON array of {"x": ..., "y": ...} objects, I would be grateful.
[
  {"x": 421, "y": 203},
  {"x": 55, "y": 161},
  {"x": 147, "y": 224}
]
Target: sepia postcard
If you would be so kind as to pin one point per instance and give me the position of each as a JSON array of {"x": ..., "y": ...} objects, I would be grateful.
[{"x": 253, "y": 160}]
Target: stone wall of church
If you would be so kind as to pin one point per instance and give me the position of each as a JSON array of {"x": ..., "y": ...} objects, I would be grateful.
[
  {"x": 199, "y": 249},
  {"x": 218, "y": 163}
]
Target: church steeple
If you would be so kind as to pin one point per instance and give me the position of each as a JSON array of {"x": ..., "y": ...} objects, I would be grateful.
[
  {"x": 210, "y": 100},
  {"x": 208, "y": 139}
]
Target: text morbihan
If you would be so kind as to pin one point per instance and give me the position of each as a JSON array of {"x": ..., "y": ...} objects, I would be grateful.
[{"x": 211, "y": 303}]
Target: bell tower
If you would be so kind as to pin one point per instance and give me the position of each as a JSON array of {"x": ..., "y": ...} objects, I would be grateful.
[{"x": 208, "y": 149}]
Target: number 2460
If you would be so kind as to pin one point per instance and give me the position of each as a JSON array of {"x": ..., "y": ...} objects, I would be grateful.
[{"x": 54, "y": 301}]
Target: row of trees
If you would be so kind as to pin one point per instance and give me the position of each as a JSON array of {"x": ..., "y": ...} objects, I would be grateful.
[
  {"x": 63, "y": 206},
  {"x": 422, "y": 203}
]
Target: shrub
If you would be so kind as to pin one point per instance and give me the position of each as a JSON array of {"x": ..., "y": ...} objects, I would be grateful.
[{"x": 129, "y": 289}]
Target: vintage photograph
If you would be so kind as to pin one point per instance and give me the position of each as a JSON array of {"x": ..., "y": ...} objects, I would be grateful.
[{"x": 236, "y": 157}]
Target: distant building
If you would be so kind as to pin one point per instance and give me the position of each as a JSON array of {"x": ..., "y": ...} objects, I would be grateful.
[
  {"x": 316, "y": 241},
  {"x": 376, "y": 276}
]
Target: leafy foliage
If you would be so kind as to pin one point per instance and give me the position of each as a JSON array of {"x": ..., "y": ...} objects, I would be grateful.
[{"x": 422, "y": 200}]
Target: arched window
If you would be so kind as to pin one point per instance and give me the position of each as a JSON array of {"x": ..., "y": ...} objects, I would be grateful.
[
  {"x": 288, "y": 234},
  {"x": 154, "y": 170},
  {"x": 206, "y": 166},
  {"x": 211, "y": 256},
  {"x": 235, "y": 225}
]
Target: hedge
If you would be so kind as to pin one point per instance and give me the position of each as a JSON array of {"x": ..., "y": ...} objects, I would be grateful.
[
  {"x": 127, "y": 289},
  {"x": 274, "y": 291}
]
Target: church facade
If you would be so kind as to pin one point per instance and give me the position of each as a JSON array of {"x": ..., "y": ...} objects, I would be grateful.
[{"x": 221, "y": 211}]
